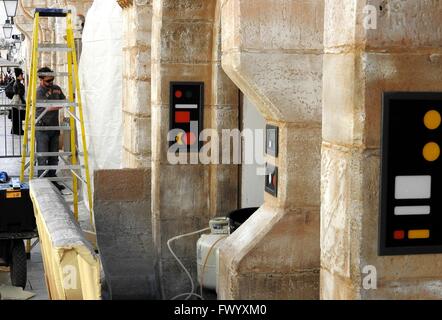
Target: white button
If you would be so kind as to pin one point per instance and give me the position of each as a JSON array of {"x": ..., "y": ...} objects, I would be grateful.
[
  {"x": 411, "y": 210},
  {"x": 413, "y": 187}
]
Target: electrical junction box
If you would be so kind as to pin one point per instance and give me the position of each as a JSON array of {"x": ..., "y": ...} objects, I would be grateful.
[
  {"x": 16, "y": 208},
  {"x": 410, "y": 219},
  {"x": 186, "y": 114},
  {"x": 272, "y": 133},
  {"x": 271, "y": 180}
]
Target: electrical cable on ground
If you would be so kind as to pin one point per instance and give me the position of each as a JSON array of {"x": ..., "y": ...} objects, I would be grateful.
[{"x": 191, "y": 293}]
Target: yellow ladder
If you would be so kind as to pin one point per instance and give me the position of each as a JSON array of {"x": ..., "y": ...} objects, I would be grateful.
[{"x": 72, "y": 105}]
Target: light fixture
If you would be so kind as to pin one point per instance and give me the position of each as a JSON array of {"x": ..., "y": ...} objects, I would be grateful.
[
  {"x": 7, "y": 29},
  {"x": 17, "y": 40},
  {"x": 10, "y": 7}
]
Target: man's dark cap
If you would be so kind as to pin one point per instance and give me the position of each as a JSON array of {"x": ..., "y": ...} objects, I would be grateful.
[{"x": 18, "y": 71}]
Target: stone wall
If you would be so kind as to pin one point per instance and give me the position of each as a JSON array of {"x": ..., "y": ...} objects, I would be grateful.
[
  {"x": 224, "y": 114},
  {"x": 182, "y": 37},
  {"x": 137, "y": 25},
  {"x": 401, "y": 54},
  {"x": 124, "y": 233},
  {"x": 272, "y": 50}
]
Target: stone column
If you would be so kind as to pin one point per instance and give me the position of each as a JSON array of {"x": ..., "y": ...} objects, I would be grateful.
[
  {"x": 137, "y": 24},
  {"x": 272, "y": 50},
  {"x": 224, "y": 178},
  {"x": 181, "y": 51},
  {"x": 401, "y": 53}
]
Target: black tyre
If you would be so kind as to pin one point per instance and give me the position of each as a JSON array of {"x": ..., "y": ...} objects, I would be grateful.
[{"x": 18, "y": 264}]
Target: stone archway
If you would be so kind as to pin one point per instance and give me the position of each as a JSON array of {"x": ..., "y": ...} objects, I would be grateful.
[{"x": 272, "y": 50}]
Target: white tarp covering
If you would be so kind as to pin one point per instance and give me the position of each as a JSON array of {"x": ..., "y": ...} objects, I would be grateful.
[{"x": 101, "y": 84}]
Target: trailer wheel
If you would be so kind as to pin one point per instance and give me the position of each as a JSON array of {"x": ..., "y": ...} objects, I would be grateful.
[{"x": 18, "y": 264}]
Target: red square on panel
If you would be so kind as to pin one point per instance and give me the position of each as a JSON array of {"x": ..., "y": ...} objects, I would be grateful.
[
  {"x": 182, "y": 116},
  {"x": 399, "y": 235}
]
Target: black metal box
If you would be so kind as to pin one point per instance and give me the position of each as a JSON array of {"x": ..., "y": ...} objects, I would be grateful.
[{"x": 16, "y": 209}]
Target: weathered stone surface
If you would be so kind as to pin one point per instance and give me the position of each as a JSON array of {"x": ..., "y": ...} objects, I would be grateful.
[
  {"x": 301, "y": 21},
  {"x": 137, "y": 62},
  {"x": 289, "y": 73},
  {"x": 393, "y": 72},
  {"x": 413, "y": 289},
  {"x": 224, "y": 179},
  {"x": 137, "y": 134},
  {"x": 186, "y": 41},
  {"x": 183, "y": 247},
  {"x": 398, "y": 24},
  {"x": 187, "y": 191},
  {"x": 335, "y": 287},
  {"x": 181, "y": 51},
  {"x": 164, "y": 73},
  {"x": 397, "y": 56},
  {"x": 339, "y": 16},
  {"x": 254, "y": 265},
  {"x": 338, "y": 206},
  {"x": 224, "y": 90},
  {"x": 137, "y": 25},
  {"x": 299, "y": 167},
  {"x": 174, "y": 279},
  {"x": 291, "y": 245},
  {"x": 224, "y": 189},
  {"x": 122, "y": 185},
  {"x": 136, "y": 98},
  {"x": 267, "y": 56},
  {"x": 341, "y": 96},
  {"x": 160, "y": 129},
  {"x": 122, "y": 209},
  {"x": 256, "y": 286},
  {"x": 224, "y": 117},
  {"x": 353, "y": 87},
  {"x": 188, "y": 9},
  {"x": 131, "y": 160}
]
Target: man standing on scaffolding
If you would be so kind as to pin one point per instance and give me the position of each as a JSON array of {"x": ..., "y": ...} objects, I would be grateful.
[{"x": 48, "y": 141}]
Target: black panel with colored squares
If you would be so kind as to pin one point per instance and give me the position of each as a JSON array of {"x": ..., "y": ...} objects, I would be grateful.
[
  {"x": 271, "y": 180},
  {"x": 186, "y": 113},
  {"x": 411, "y": 174}
]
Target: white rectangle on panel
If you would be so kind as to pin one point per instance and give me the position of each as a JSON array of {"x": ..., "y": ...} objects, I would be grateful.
[
  {"x": 413, "y": 187},
  {"x": 411, "y": 210},
  {"x": 186, "y": 106}
]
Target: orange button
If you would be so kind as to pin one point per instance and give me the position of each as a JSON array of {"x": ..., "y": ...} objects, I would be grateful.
[
  {"x": 432, "y": 119},
  {"x": 419, "y": 234},
  {"x": 431, "y": 151}
]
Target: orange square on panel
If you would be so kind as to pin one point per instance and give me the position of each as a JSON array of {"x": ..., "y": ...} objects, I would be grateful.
[
  {"x": 182, "y": 117},
  {"x": 419, "y": 234}
]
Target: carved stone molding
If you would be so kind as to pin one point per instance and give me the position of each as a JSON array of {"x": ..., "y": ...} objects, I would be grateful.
[{"x": 125, "y": 3}]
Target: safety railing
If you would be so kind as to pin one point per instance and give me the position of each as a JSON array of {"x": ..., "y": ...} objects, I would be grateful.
[{"x": 12, "y": 118}]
